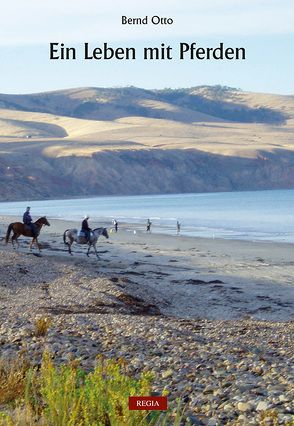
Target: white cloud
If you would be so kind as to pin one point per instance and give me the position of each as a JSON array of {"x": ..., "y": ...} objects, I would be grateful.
[{"x": 35, "y": 22}]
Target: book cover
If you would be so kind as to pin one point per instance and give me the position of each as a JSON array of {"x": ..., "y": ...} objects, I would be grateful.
[{"x": 146, "y": 213}]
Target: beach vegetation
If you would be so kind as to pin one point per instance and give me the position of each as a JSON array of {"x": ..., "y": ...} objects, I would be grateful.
[
  {"x": 66, "y": 395},
  {"x": 12, "y": 379},
  {"x": 42, "y": 326},
  {"x": 270, "y": 417}
]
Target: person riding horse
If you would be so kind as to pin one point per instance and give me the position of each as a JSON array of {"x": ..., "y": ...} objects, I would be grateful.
[
  {"x": 19, "y": 228},
  {"x": 72, "y": 235},
  {"x": 27, "y": 220},
  {"x": 85, "y": 227}
]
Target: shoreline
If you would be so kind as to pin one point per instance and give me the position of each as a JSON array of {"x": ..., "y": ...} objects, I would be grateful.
[
  {"x": 234, "y": 278},
  {"x": 140, "y": 228},
  {"x": 211, "y": 319},
  {"x": 197, "y": 213}
]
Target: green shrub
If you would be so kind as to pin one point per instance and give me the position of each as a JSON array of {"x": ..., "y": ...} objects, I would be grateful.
[{"x": 68, "y": 396}]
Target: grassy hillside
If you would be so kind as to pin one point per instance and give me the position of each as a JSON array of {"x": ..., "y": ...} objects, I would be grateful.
[
  {"x": 131, "y": 141},
  {"x": 194, "y": 104}
]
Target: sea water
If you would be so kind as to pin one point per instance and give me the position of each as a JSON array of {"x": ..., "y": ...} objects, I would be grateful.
[{"x": 250, "y": 215}]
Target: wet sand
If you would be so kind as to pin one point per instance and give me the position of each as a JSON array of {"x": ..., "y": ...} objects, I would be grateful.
[
  {"x": 212, "y": 319},
  {"x": 187, "y": 277}
]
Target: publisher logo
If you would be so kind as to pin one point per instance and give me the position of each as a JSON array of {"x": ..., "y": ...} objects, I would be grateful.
[{"x": 147, "y": 403}]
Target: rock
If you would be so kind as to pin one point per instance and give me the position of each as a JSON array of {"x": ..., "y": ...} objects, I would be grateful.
[
  {"x": 228, "y": 407},
  {"x": 257, "y": 370},
  {"x": 166, "y": 374},
  {"x": 193, "y": 420},
  {"x": 242, "y": 418},
  {"x": 286, "y": 419},
  {"x": 268, "y": 421},
  {"x": 284, "y": 398},
  {"x": 208, "y": 389},
  {"x": 244, "y": 406},
  {"x": 212, "y": 422},
  {"x": 262, "y": 406}
]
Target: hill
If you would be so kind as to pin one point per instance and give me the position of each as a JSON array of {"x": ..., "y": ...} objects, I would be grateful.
[{"x": 91, "y": 141}]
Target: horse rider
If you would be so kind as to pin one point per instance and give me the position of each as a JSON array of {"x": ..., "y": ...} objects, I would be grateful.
[
  {"x": 27, "y": 220},
  {"x": 85, "y": 227}
]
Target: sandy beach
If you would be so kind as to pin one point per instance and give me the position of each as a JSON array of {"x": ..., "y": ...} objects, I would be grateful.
[
  {"x": 186, "y": 277},
  {"x": 213, "y": 319}
]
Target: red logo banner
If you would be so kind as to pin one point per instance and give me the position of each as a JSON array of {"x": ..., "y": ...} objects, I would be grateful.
[{"x": 147, "y": 403}]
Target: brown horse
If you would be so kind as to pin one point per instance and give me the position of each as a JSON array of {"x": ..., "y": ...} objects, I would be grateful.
[{"x": 19, "y": 228}]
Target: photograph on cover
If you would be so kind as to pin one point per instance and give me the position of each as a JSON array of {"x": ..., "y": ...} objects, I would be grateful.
[{"x": 146, "y": 213}]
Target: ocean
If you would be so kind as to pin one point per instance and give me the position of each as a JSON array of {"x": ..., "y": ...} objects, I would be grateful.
[{"x": 248, "y": 215}]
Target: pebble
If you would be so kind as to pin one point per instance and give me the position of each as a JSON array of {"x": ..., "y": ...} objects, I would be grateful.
[
  {"x": 242, "y": 418},
  {"x": 262, "y": 406},
  {"x": 227, "y": 407},
  {"x": 285, "y": 398},
  {"x": 244, "y": 406},
  {"x": 224, "y": 377},
  {"x": 166, "y": 374}
]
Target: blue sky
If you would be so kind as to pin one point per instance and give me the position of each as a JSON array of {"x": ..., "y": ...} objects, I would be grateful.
[{"x": 264, "y": 27}]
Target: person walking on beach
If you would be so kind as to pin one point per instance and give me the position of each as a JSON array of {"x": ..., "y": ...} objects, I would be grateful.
[
  {"x": 85, "y": 227},
  {"x": 178, "y": 227},
  {"x": 148, "y": 226},
  {"x": 27, "y": 220}
]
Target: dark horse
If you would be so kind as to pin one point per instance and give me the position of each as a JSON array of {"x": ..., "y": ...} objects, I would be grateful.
[
  {"x": 19, "y": 228},
  {"x": 73, "y": 236}
]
